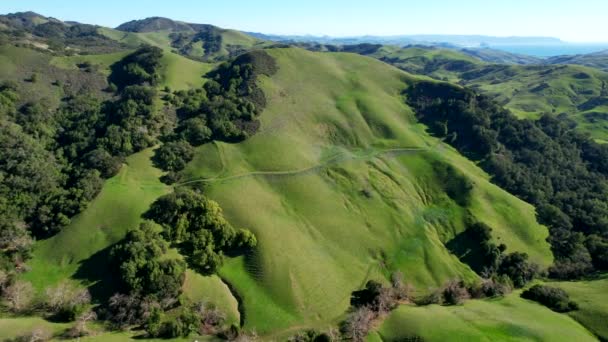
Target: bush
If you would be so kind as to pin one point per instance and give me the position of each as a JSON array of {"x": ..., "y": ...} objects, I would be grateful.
[
  {"x": 18, "y": 296},
  {"x": 554, "y": 298},
  {"x": 455, "y": 292},
  {"x": 66, "y": 302},
  {"x": 173, "y": 156},
  {"x": 358, "y": 324},
  {"x": 517, "y": 267}
]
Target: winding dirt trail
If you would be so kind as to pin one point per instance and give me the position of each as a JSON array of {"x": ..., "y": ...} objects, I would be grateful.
[{"x": 336, "y": 159}]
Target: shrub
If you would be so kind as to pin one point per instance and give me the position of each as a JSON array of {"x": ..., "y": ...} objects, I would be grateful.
[
  {"x": 517, "y": 267},
  {"x": 173, "y": 156},
  {"x": 66, "y": 302},
  {"x": 455, "y": 292},
  {"x": 554, "y": 298},
  {"x": 358, "y": 323},
  {"x": 18, "y": 296}
]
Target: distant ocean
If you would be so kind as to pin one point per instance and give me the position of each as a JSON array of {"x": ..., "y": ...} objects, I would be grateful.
[{"x": 552, "y": 50}]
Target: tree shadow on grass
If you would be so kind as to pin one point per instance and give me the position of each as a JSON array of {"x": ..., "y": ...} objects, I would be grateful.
[
  {"x": 468, "y": 249},
  {"x": 99, "y": 273}
]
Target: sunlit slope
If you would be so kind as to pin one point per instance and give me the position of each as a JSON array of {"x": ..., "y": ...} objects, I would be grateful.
[
  {"x": 507, "y": 319},
  {"x": 592, "y": 299},
  {"x": 340, "y": 186},
  {"x": 231, "y": 41},
  {"x": 178, "y": 72}
]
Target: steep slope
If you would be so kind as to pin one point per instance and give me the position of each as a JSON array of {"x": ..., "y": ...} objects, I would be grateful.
[{"x": 341, "y": 185}]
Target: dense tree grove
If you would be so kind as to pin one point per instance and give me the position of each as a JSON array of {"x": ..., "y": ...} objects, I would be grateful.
[
  {"x": 225, "y": 109},
  {"x": 196, "y": 226},
  {"x": 52, "y": 163},
  {"x": 143, "y": 268},
  {"x": 562, "y": 172}
]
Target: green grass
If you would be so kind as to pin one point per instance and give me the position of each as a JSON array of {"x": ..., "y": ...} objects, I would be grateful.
[
  {"x": 592, "y": 298},
  {"x": 321, "y": 185},
  {"x": 19, "y": 64},
  {"x": 102, "y": 62},
  {"x": 181, "y": 73},
  {"x": 527, "y": 90},
  {"x": 507, "y": 319},
  {"x": 106, "y": 220},
  {"x": 16, "y": 327},
  {"x": 299, "y": 188},
  {"x": 211, "y": 289}
]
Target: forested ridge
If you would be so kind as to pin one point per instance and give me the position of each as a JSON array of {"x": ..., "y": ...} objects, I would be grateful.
[
  {"x": 545, "y": 162},
  {"x": 54, "y": 162}
]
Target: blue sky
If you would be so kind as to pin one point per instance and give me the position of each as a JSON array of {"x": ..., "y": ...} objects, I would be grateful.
[{"x": 577, "y": 21}]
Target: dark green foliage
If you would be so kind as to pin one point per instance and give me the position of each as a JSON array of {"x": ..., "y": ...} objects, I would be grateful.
[
  {"x": 517, "y": 267},
  {"x": 185, "y": 323},
  {"x": 174, "y": 155},
  {"x": 554, "y": 298},
  {"x": 139, "y": 67},
  {"x": 195, "y": 131},
  {"x": 457, "y": 186},
  {"x": 133, "y": 122},
  {"x": 475, "y": 248},
  {"x": 141, "y": 265},
  {"x": 196, "y": 226},
  {"x": 544, "y": 162},
  {"x": 227, "y": 108},
  {"x": 598, "y": 248}
]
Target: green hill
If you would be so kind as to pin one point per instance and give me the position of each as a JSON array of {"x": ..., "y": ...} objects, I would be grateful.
[
  {"x": 339, "y": 187},
  {"x": 575, "y": 91},
  {"x": 196, "y": 41},
  {"x": 507, "y": 319}
]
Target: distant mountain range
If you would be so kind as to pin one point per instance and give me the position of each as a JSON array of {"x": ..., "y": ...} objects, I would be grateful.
[{"x": 458, "y": 40}]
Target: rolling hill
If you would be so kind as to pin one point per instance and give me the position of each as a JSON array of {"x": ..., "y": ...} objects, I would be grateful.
[
  {"x": 340, "y": 185},
  {"x": 575, "y": 91}
]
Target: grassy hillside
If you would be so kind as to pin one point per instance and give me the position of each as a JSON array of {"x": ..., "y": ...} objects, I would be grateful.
[
  {"x": 507, "y": 319},
  {"x": 231, "y": 42},
  {"x": 51, "y": 82},
  {"x": 438, "y": 63},
  {"x": 578, "y": 92},
  {"x": 116, "y": 209},
  {"x": 597, "y": 60},
  {"x": 592, "y": 298},
  {"x": 340, "y": 186},
  {"x": 178, "y": 72}
]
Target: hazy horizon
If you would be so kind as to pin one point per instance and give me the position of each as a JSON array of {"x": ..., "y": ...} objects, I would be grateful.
[{"x": 572, "y": 22}]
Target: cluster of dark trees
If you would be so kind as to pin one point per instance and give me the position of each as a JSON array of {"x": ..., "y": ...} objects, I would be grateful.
[
  {"x": 545, "y": 162},
  {"x": 370, "y": 303},
  {"x": 196, "y": 226},
  {"x": 475, "y": 247},
  {"x": 52, "y": 163},
  {"x": 554, "y": 298},
  {"x": 151, "y": 281},
  {"x": 209, "y": 36},
  {"x": 225, "y": 109}
]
